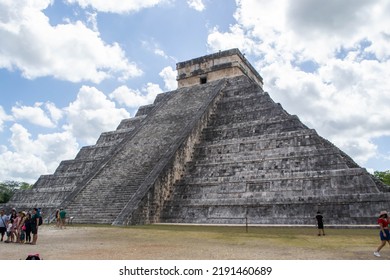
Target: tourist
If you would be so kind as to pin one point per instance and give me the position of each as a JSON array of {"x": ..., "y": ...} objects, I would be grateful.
[
  {"x": 15, "y": 219},
  {"x": 22, "y": 217},
  {"x": 9, "y": 232},
  {"x": 15, "y": 227},
  {"x": 320, "y": 223},
  {"x": 3, "y": 223},
  {"x": 34, "y": 225},
  {"x": 27, "y": 224},
  {"x": 22, "y": 237},
  {"x": 62, "y": 217},
  {"x": 384, "y": 233},
  {"x": 13, "y": 215},
  {"x": 58, "y": 219}
]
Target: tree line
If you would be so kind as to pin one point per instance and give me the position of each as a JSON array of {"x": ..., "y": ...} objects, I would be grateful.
[
  {"x": 384, "y": 176},
  {"x": 7, "y": 188}
]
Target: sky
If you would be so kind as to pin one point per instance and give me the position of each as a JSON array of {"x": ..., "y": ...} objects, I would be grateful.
[{"x": 72, "y": 69}]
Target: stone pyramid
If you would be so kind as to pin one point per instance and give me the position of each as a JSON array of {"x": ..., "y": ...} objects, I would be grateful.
[{"x": 217, "y": 150}]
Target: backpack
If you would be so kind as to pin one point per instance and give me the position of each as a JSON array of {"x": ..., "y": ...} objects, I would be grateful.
[
  {"x": 33, "y": 257},
  {"x": 40, "y": 222}
]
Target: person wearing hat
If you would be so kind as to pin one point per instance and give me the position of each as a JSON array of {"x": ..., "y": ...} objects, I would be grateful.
[
  {"x": 384, "y": 233},
  {"x": 22, "y": 216}
]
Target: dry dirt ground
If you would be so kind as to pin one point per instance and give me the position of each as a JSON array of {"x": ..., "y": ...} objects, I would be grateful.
[{"x": 163, "y": 242}]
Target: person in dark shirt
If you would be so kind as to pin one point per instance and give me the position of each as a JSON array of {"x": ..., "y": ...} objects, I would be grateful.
[
  {"x": 27, "y": 224},
  {"x": 35, "y": 225},
  {"x": 62, "y": 218},
  {"x": 320, "y": 223}
]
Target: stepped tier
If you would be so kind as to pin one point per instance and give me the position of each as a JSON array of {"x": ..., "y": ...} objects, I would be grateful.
[
  {"x": 104, "y": 195},
  {"x": 217, "y": 151},
  {"x": 258, "y": 164}
]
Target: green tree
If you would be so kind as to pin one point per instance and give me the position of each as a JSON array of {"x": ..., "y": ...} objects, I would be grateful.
[
  {"x": 384, "y": 176},
  {"x": 25, "y": 186},
  {"x": 5, "y": 192},
  {"x": 7, "y": 189}
]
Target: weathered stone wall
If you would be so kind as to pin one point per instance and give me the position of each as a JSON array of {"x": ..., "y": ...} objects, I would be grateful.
[
  {"x": 259, "y": 164},
  {"x": 132, "y": 167},
  {"x": 225, "y": 64},
  {"x": 160, "y": 186},
  {"x": 337, "y": 210}
]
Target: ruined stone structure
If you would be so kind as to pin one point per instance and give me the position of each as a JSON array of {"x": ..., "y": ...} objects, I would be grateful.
[{"x": 216, "y": 150}]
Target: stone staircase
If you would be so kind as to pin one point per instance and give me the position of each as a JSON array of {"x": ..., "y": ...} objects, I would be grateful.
[
  {"x": 50, "y": 191},
  {"x": 105, "y": 193},
  {"x": 258, "y": 164}
]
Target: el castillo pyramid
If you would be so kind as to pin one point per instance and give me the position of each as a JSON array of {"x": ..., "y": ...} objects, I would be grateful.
[{"x": 218, "y": 150}]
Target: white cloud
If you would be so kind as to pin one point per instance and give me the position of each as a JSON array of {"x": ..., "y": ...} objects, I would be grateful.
[
  {"x": 55, "y": 113},
  {"x": 134, "y": 98},
  {"x": 345, "y": 96},
  {"x": 196, "y": 4},
  {"x": 305, "y": 29},
  {"x": 92, "y": 20},
  {"x": 36, "y": 115},
  {"x": 326, "y": 26},
  {"x": 154, "y": 47},
  {"x": 68, "y": 51},
  {"x": 31, "y": 157},
  {"x": 152, "y": 90},
  {"x": 18, "y": 167},
  {"x": 117, "y": 6},
  {"x": 91, "y": 114},
  {"x": 129, "y": 97},
  {"x": 161, "y": 53},
  {"x": 234, "y": 38},
  {"x": 3, "y": 118},
  {"x": 169, "y": 76},
  {"x": 316, "y": 17}
]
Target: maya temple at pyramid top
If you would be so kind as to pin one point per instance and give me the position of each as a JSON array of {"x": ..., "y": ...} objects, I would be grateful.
[{"x": 218, "y": 150}]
